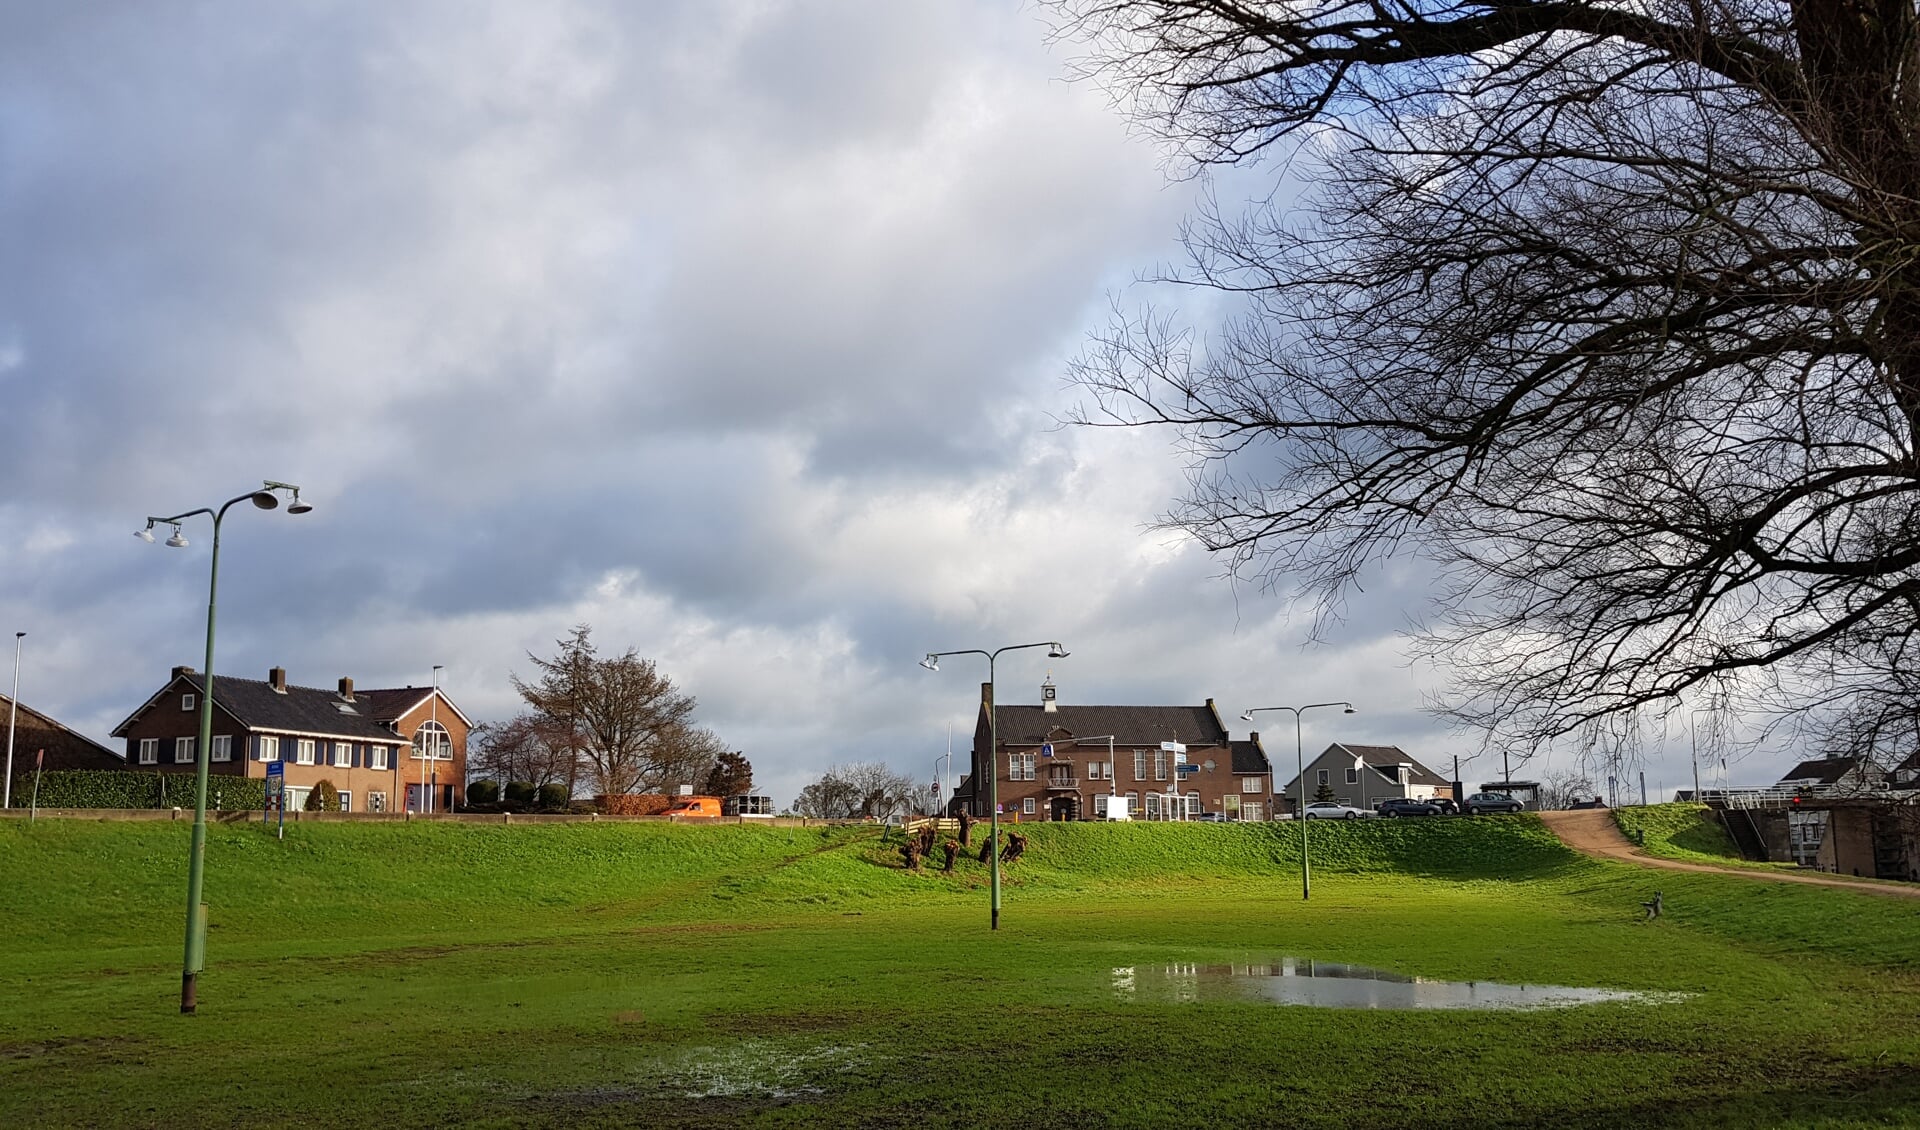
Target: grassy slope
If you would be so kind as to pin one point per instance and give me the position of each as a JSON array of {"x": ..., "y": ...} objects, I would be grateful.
[
  {"x": 1687, "y": 832},
  {"x": 600, "y": 973}
]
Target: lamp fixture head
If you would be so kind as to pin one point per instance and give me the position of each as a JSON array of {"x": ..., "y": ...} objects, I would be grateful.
[
  {"x": 1350, "y": 710},
  {"x": 1057, "y": 652},
  {"x": 931, "y": 662},
  {"x": 266, "y": 499},
  {"x": 1246, "y": 715},
  {"x": 178, "y": 540},
  {"x": 297, "y": 506},
  {"x": 145, "y": 535}
]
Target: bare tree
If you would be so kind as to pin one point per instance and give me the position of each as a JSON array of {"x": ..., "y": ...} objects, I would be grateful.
[
  {"x": 631, "y": 726},
  {"x": 1604, "y": 310},
  {"x": 526, "y": 747},
  {"x": 863, "y": 790},
  {"x": 1563, "y": 787}
]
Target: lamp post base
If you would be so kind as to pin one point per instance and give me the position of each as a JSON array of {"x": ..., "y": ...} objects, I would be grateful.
[{"x": 189, "y": 993}]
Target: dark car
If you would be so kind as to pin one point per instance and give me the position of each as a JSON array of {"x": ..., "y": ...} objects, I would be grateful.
[
  {"x": 1492, "y": 802},
  {"x": 1596, "y": 802},
  {"x": 1401, "y": 806},
  {"x": 1213, "y": 818}
]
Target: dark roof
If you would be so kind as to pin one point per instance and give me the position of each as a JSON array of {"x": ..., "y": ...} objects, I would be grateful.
[
  {"x": 309, "y": 710},
  {"x": 1387, "y": 759},
  {"x": 66, "y": 748},
  {"x": 1825, "y": 770},
  {"x": 1249, "y": 758},
  {"x": 1130, "y": 725}
]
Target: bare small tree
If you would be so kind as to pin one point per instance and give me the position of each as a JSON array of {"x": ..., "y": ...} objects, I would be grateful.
[
  {"x": 526, "y": 747},
  {"x": 1606, "y": 312},
  {"x": 864, "y": 790}
]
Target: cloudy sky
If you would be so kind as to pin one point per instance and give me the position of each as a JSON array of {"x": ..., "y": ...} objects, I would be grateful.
[{"x": 735, "y": 330}]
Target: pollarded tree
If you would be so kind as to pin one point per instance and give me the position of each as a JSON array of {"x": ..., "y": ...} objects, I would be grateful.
[{"x": 1607, "y": 310}]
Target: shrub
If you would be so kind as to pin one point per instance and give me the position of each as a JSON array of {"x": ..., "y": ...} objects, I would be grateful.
[
  {"x": 324, "y": 797},
  {"x": 482, "y": 792},
  {"x": 633, "y": 804},
  {"x": 553, "y": 796},
  {"x": 520, "y": 793},
  {"x": 124, "y": 788}
]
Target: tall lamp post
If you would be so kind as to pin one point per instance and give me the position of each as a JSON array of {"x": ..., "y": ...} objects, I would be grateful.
[
  {"x": 13, "y": 708},
  {"x": 932, "y": 663},
  {"x": 1299, "y": 759},
  {"x": 196, "y": 950}
]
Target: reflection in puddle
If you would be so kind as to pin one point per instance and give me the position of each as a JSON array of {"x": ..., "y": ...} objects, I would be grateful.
[{"x": 1327, "y": 984}]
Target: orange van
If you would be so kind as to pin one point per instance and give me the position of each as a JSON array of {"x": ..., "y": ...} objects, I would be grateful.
[{"x": 695, "y": 806}]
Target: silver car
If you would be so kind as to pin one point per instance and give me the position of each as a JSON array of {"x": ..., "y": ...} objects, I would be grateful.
[{"x": 1333, "y": 810}]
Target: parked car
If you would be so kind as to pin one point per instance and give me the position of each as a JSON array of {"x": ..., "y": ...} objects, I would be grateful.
[
  {"x": 1406, "y": 806},
  {"x": 1492, "y": 802},
  {"x": 1212, "y": 818},
  {"x": 1446, "y": 805},
  {"x": 1596, "y": 802},
  {"x": 1332, "y": 810}
]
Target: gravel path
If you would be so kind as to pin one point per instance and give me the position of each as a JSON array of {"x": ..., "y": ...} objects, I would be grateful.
[{"x": 1593, "y": 832}]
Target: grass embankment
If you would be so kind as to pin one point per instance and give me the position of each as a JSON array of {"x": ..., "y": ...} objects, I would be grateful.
[
  {"x": 1688, "y": 832},
  {"x": 606, "y": 974}
]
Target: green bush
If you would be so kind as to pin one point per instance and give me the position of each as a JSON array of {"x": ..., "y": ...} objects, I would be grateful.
[
  {"x": 482, "y": 792},
  {"x": 553, "y": 797},
  {"x": 325, "y": 797},
  {"x": 123, "y": 788},
  {"x": 520, "y": 793}
]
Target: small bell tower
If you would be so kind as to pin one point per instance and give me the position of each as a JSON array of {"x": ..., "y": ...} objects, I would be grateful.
[{"x": 1047, "y": 701}]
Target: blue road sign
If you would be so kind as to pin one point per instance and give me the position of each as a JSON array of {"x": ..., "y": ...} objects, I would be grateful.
[{"x": 1046, "y": 749}]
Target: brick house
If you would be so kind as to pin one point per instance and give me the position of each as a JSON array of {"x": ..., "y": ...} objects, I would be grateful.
[
  {"x": 1364, "y": 775},
  {"x": 66, "y": 749},
  {"x": 1079, "y": 778},
  {"x": 385, "y": 750}
]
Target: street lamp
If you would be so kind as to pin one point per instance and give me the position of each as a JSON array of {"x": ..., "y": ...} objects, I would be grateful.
[
  {"x": 196, "y": 951},
  {"x": 932, "y": 663},
  {"x": 1300, "y": 815},
  {"x": 13, "y": 708}
]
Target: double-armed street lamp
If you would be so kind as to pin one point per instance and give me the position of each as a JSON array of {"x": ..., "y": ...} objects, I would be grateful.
[
  {"x": 266, "y": 498},
  {"x": 932, "y": 663},
  {"x": 1299, "y": 759}
]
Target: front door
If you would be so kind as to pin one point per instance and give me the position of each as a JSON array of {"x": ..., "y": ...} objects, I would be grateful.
[
  {"x": 413, "y": 798},
  {"x": 1062, "y": 808}
]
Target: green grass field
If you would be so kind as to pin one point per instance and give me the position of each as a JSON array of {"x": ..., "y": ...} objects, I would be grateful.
[{"x": 623, "y": 974}]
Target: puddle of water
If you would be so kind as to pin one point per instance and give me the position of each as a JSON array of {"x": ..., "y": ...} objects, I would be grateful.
[
  {"x": 1327, "y": 984},
  {"x": 758, "y": 1069}
]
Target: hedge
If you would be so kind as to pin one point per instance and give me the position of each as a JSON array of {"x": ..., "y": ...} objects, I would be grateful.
[{"x": 123, "y": 788}]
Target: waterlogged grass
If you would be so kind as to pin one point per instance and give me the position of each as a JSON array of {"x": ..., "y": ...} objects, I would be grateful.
[{"x": 642, "y": 974}]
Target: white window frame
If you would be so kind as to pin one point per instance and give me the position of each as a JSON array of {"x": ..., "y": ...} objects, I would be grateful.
[
  {"x": 376, "y": 802},
  {"x": 346, "y": 801},
  {"x": 432, "y": 730},
  {"x": 377, "y": 757},
  {"x": 1404, "y": 773},
  {"x": 343, "y": 755},
  {"x": 1159, "y": 764},
  {"x": 303, "y": 751},
  {"x": 183, "y": 751},
  {"x": 1026, "y": 806},
  {"x": 1139, "y": 764},
  {"x": 1194, "y": 805},
  {"x": 186, "y": 702},
  {"x": 223, "y": 747},
  {"x": 149, "y": 751},
  {"x": 1133, "y": 802},
  {"x": 269, "y": 748},
  {"x": 1253, "y": 810},
  {"x": 1253, "y": 784},
  {"x": 1353, "y": 776},
  {"x": 1323, "y": 778}
]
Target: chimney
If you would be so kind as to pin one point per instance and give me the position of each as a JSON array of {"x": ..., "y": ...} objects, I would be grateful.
[
  {"x": 1047, "y": 697},
  {"x": 278, "y": 677},
  {"x": 179, "y": 671},
  {"x": 346, "y": 688}
]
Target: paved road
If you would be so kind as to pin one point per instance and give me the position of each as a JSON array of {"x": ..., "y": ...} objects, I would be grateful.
[{"x": 1593, "y": 832}]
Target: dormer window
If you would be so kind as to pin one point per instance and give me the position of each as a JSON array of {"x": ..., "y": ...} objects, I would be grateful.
[{"x": 186, "y": 702}]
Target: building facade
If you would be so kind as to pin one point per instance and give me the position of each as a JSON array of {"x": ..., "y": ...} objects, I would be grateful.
[
  {"x": 388, "y": 750},
  {"x": 1365, "y": 775},
  {"x": 1057, "y": 762},
  {"x": 35, "y": 733}
]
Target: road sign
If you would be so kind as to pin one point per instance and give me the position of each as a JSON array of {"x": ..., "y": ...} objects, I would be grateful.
[
  {"x": 1179, "y": 759},
  {"x": 1046, "y": 749},
  {"x": 1186, "y": 770},
  {"x": 276, "y": 769},
  {"x": 1173, "y": 747}
]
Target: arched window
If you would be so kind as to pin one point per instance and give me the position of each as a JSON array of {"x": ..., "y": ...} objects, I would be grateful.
[{"x": 431, "y": 740}]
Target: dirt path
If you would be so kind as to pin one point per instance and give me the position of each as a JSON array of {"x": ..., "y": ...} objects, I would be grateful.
[{"x": 1593, "y": 832}]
